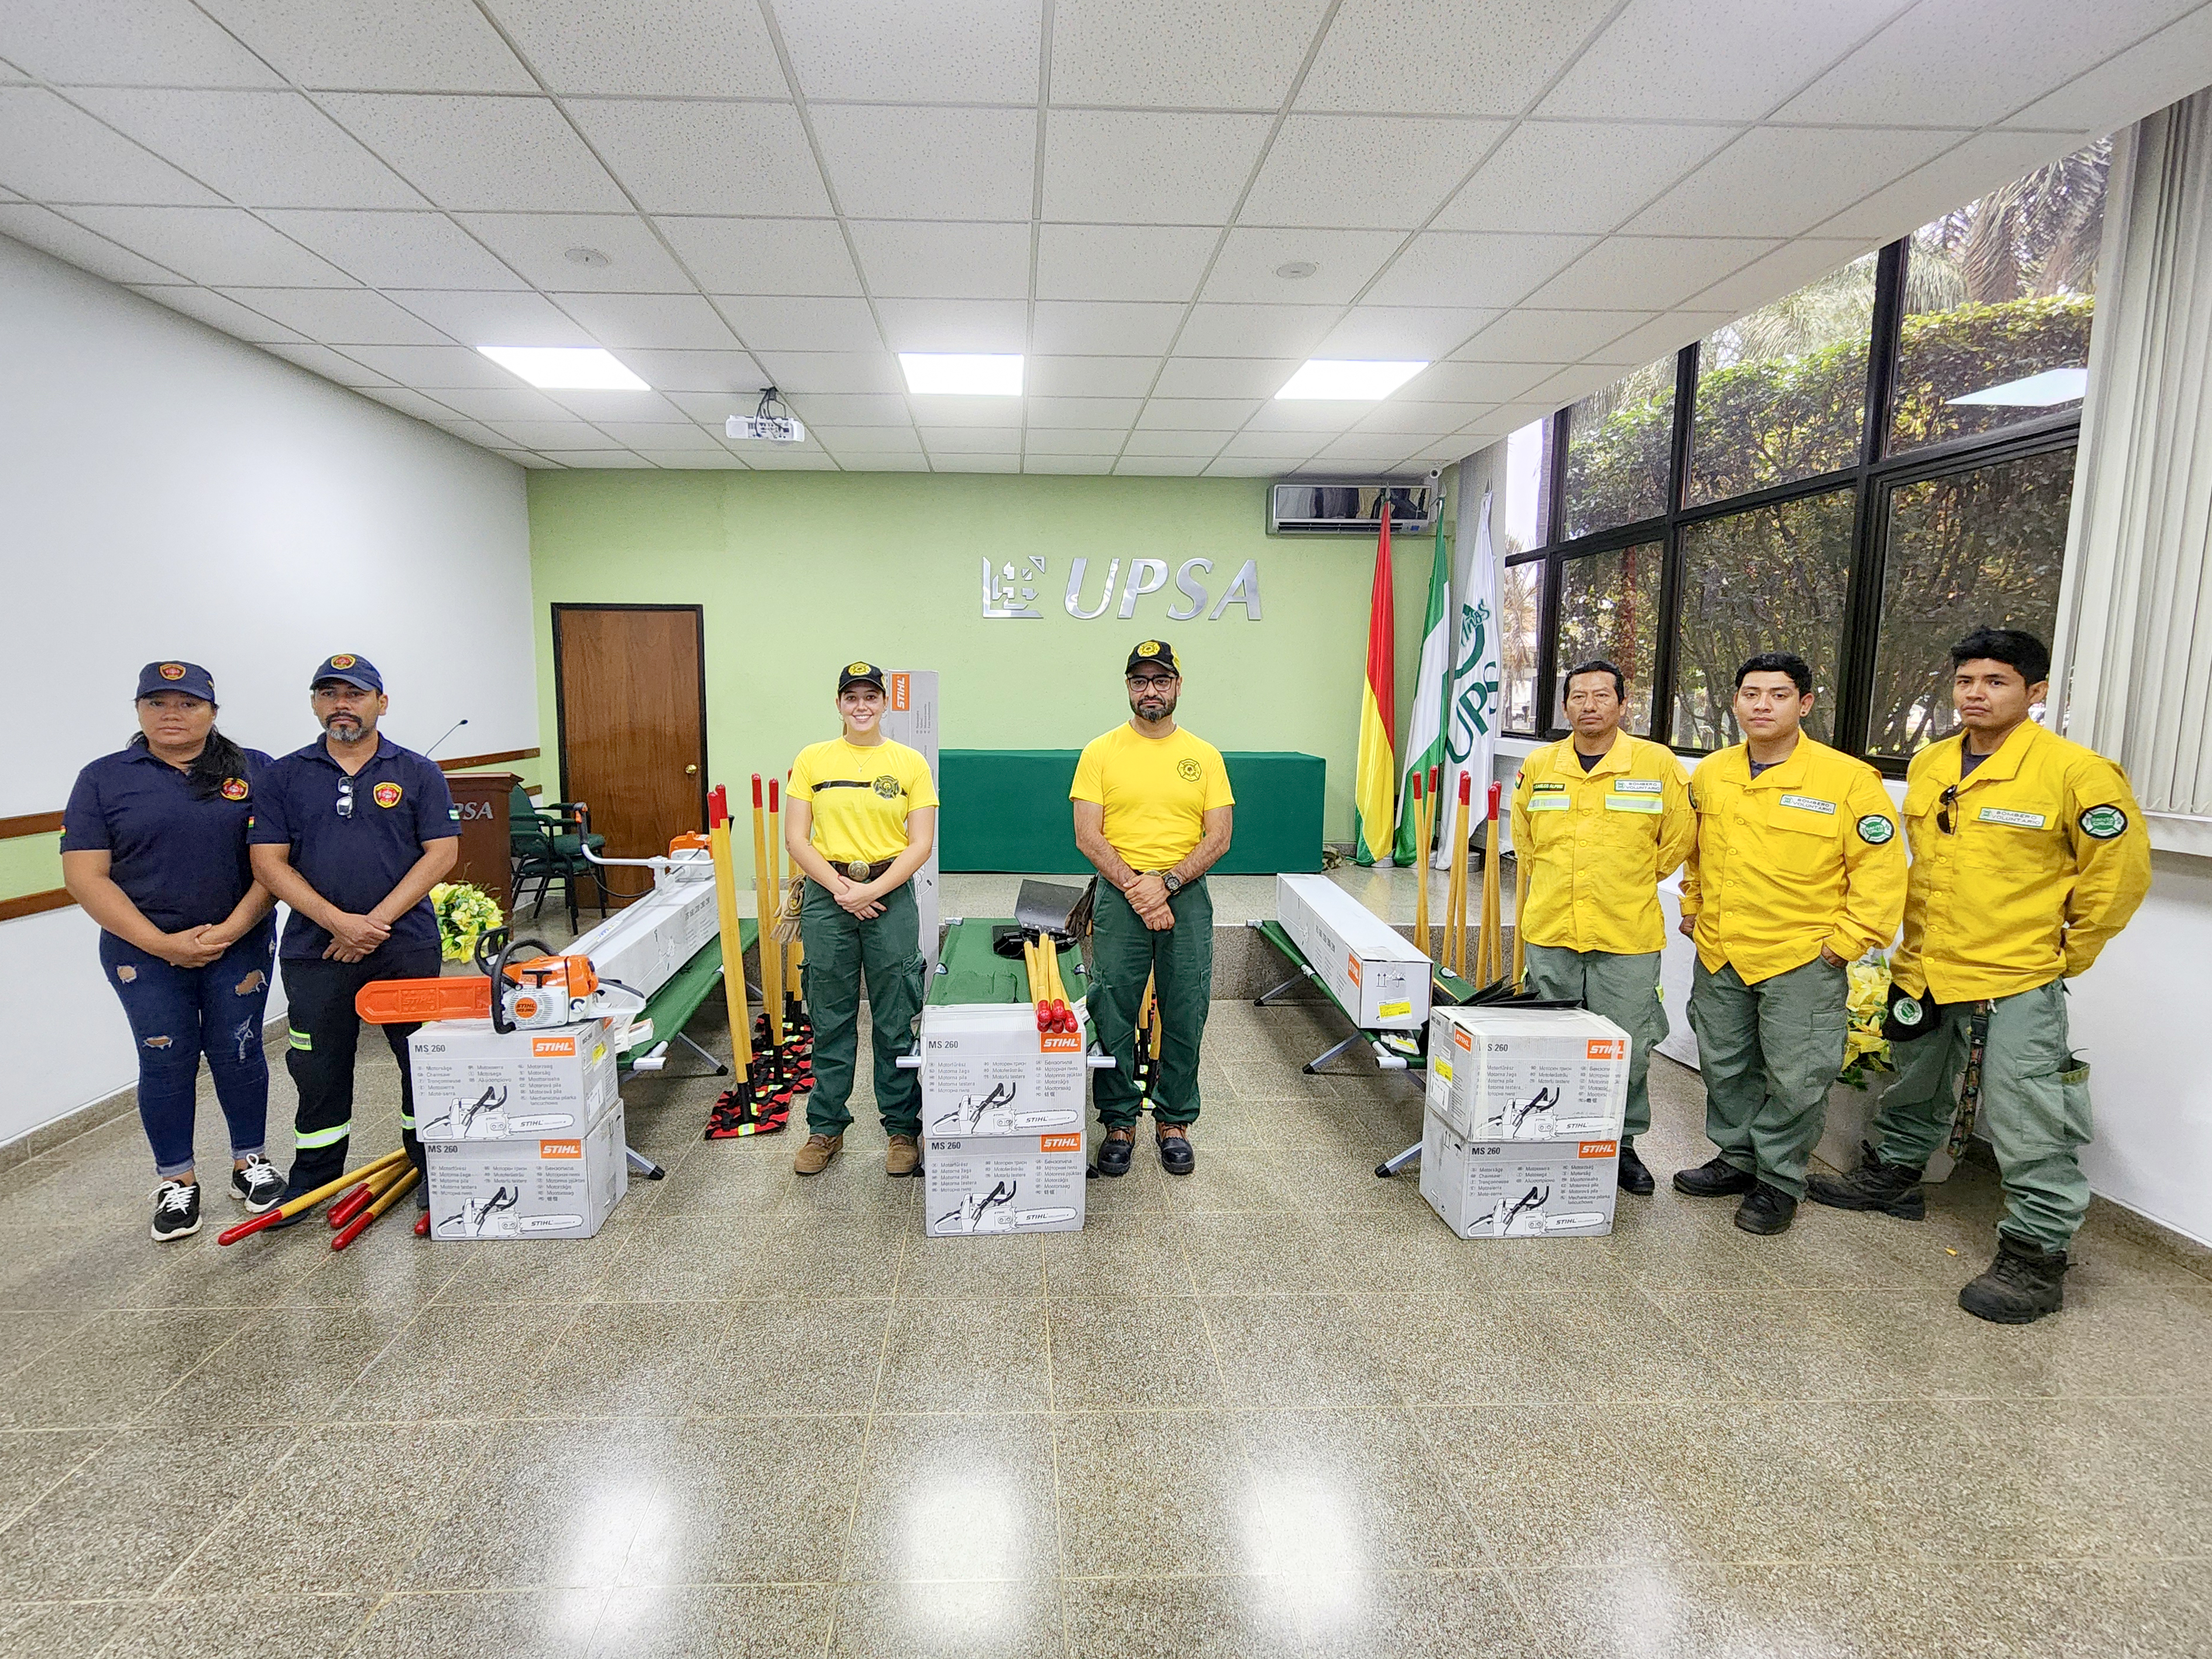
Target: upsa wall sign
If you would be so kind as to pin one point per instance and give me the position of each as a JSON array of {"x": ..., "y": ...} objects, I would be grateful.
[{"x": 1010, "y": 592}]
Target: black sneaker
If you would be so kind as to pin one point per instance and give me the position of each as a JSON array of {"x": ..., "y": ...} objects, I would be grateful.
[
  {"x": 1715, "y": 1178},
  {"x": 176, "y": 1211},
  {"x": 1114, "y": 1152},
  {"x": 1893, "y": 1188},
  {"x": 258, "y": 1185},
  {"x": 2022, "y": 1284},
  {"x": 1634, "y": 1177},
  {"x": 1766, "y": 1210}
]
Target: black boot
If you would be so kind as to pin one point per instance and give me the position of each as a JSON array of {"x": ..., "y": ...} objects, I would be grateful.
[
  {"x": 1893, "y": 1188},
  {"x": 1114, "y": 1151},
  {"x": 1715, "y": 1178},
  {"x": 2022, "y": 1284},
  {"x": 1765, "y": 1210},
  {"x": 1634, "y": 1177}
]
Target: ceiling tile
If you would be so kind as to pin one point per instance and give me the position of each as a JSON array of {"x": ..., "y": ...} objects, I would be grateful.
[
  {"x": 842, "y": 441},
  {"x": 1288, "y": 447},
  {"x": 1531, "y": 335},
  {"x": 259, "y": 149},
  {"x": 431, "y": 368},
  {"x": 420, "y": 45},
  {"x": 1420, "y": 422},
  {"x": 671, "y": 322},
  {"x": 1981, "y": 164},
  {"x": 1225, "y": 377},
  {"x": 1066, "y": 466},
  {"x": 665, "y": 437},
  {"x": 1121, "y": 262},
  {"x": 1501, "y": 54},
  {"x": 600, "y": 407},
  {"x": 1247, "y": 466},
  {"x": 1080, "y": 441},
  {"x": 1121, "y": 167},
  {"x": 672, "y": 48},
  {"x": 1934, "y": 66},
  {"x": 799, "y": 373},
  {"x": 1453, "y": 268},
  {"x": 791, "y": 457},
  {"x": 717, "y": 460},
  {"x": 994, "y": 325},
  {"x": 1177, "y": 442},
  {"x": 45, "y": 229},
  {"x": 497, "y": 408},
  {"x": 422, "y": 408},
  {"x": 221, "y": 247},
  {"x": 904, "y": 162},
  {"x": 1719, "y": 60},
  {"x": 1576, "y": 381},
  {"x": 1785, "y": 271},
  {"x": 1045, "y": 375},
  {"x": 1006, "y": 462},
  {"x": 342, "y": 316},
  {"x": 1308, "y": 415},
  {"x": 1078, "y": 414},
  {"x": 810, "y": 325},
  {"x": 598, "y": 460},
  {"x": 218, "y": 310},
  {"x": 1236, "y": 54},
  {"x": 844, "y": 410},
  {"x": 129, "y": 43},
  {"x": 538, "y": 244},
  {"x": 764, "y": 256},
  {"x": 1245, "y": 271},
  {"x": 1104, "y": 328},
  {"x": 1392, "y": 171},
  {"x": 971, "y": 440},
  {"x": 684, "y": 157},
  {"x": 396, "y": 250},
  {"x": 495, "y": 318},
  {"x": 473, "y": 432},
  {"x": 53, "y": 152},
  {"x": 704, "y": 372},
  {"x": 506, "y": 155},
  {"x": 543, "y": 435},
  {"x": 1475, "y": 383},
  {"x": 1366, "y": 449},
  {"x": 331, "y": 365},
  {"x": 1657, "y": 271},
  {"x": 1401, "y": 333},
  {"x": 914, "y": 259},
  {"x": 1567, "y": 176},
  {"x": 2147, "y": 77},
  {"x": 1161, "y": 414},
  {"x": 1780, "y": 180},
  {"x": 953, "y": 51},
  {"x": 939, "y": 413},
  {"x": 530, "y": 458},
  {"x": 1159, "y": 466},
  {"x": 1658, "y": 337},
  {"x": 1255, "y": 330}
]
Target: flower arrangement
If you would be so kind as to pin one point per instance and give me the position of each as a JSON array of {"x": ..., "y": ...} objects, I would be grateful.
[
  {"x": 464, "y": 914},
  {"x": 1865, "y": 1048}
]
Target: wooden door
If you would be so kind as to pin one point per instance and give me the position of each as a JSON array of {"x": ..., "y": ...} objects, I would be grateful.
[{"x": 631, "y": 683}]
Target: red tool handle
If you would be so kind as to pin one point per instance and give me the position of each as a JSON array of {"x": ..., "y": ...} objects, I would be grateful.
[
  {"x": 1417, "y": 785},
  {"x": 718, "y": 806},
  {"x": 351, "y": 1204},
  {"x": 252, "y": 1224},
  {"x": 1436, "y": 779},
  {"x": 1466, "y": 789},
  {"x": 1496, "y": 790},
  {"x": 772, "y": 797},
  {"x": 756, "y": 791},
  {"x": 422, "y": 1226},
  {"x": 353, "y": 1229}
]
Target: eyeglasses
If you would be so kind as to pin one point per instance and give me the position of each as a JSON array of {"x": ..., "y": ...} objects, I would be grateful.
[
  {"x": 345, "y": 797},
  {"x": 1152, "y": 682},
  {"x": 1945, "y": 802}
]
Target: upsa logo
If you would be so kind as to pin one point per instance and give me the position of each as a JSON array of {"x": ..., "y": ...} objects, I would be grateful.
[
  {"x": 1597, "y": 1149},
  {"x": 1606, "y": 1048},
  {"x": 544, "y": 1048},
  {"x": 234, "y": 788},
  {"x": 560, "y": 1149},
  {"x": 1060, "y": 1143},
  {"x": 1059, "y": 1043}
]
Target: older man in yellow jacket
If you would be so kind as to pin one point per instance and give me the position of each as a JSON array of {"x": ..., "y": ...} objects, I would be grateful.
[
  {"x": 1599, "y": 820},
  {"x": 2028, "y": 854},
  {"x": 1799, "y": 871}
]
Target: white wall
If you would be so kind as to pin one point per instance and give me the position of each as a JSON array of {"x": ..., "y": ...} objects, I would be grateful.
[{"x": 166, "y": 491}]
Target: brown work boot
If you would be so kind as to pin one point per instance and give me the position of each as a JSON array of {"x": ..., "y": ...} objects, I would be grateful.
[
  {"x": 904, "y": 1157},
  {"x": 814, "y": 1157}
]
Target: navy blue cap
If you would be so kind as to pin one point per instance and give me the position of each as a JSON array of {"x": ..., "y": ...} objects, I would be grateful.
[
  {"x": 354, "y": 671},
  {"x": 188, "y": 677}
]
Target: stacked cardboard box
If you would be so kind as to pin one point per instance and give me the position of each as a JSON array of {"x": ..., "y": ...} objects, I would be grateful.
[
  {"x": 1378, "y": 978},
  {"x": 1521, "y": 1125},
  {"x": 1002, "y": 1106}
]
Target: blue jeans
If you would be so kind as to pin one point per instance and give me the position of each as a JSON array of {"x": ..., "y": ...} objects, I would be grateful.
[{"x": 178, "y": 1014}]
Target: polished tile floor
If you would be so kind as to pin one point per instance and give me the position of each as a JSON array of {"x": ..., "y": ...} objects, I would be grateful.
[{"x": 1273, "y": 1409}]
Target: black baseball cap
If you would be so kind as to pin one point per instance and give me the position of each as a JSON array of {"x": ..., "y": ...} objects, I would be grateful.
[
  {"x": 354, "y": 671},
  {"x": 1153, "y": 653},
  {"x": 859, "y": 673},
  {"x": 188, "y": 677}
]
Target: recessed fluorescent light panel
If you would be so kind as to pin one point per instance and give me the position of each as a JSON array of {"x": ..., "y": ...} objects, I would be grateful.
[
  {"x": 565, "y": 369},
  {"x": 1349, "y": 380},
  {"x": 963, "y": 373}
]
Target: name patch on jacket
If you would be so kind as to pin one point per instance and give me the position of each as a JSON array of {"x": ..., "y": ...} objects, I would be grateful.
[
  {"x": 1550, "y": 803},
  {"x": 1634, "y": 804},
  {"x": 1807, "y": 804},
  {"x": 1540, "y": 788},
  {"x": 2018, "y": 820},
  {"x": 1640, "y": 786}
]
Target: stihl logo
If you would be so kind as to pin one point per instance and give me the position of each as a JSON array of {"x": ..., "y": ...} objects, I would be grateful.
[
  {"x": 899, "y": 691},
  {"x": 1606, "y": 1048},
  {"x": 1060, "y": 1043},
  {"x": 1461, "y": 1038},
  {"x": 1598, "y": 1149},
  {"x": 560, "y": 1149},
  {"x": 1060, "y": 1143},
  {"x": 544, "y": 1048},
  {"x": 1352, "y": 966}
]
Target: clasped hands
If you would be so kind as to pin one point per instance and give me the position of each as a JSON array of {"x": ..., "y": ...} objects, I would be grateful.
[
  {"x": 856, "y": 899},
  {"x": 353, "y": 938},
  {"x": 1148, "y": 897}
]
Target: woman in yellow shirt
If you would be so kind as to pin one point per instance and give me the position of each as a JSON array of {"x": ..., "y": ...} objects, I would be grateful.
[{"x": 860, "y": 820}]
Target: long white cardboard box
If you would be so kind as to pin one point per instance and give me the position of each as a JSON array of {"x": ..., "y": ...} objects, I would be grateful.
[{"x": 1381, "y": 980}]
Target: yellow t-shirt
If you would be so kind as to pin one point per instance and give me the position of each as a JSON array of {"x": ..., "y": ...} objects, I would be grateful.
[
  {"x": 1156, "y": 791},
  {"x": 861, "y": 797}
]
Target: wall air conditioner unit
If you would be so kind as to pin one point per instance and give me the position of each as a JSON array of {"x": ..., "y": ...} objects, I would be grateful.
[{"x": 1353, "y": 506}]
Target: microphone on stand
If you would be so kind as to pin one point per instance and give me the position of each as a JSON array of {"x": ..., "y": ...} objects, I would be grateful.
[{"x": 448, "y": 732}]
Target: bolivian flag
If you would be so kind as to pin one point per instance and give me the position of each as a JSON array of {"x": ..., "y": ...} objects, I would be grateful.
[{"x": 1374, "y": 778}]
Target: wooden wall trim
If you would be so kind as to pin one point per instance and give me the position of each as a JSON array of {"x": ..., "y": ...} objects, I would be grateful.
[
  {"x": 30, "y": 823},
  {"x": 32, "y": 904},
  {"x": 467, "y": 763}
]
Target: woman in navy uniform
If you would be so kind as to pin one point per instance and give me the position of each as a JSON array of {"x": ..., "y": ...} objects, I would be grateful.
[{"x": 154, "y": 848}]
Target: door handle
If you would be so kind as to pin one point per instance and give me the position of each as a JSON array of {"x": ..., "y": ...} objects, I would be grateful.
[{"x": 691, "y": 771}]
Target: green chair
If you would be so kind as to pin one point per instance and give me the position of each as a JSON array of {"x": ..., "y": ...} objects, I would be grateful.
[{"x": 547, "y": 844}]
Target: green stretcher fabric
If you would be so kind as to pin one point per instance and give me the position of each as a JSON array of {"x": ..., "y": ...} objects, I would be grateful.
[
  {"x": 671, "y": 1006},
  {"x": 969, "y": 971},
  {"x": 1007, "y": 809}
]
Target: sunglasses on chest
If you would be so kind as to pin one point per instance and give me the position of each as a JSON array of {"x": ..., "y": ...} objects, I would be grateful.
[{"x": 345, "y": 797}]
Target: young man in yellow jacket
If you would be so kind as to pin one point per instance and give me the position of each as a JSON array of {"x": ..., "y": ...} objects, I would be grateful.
[
  {"x": 2028, "y": 853},
  {"x": 1798, "y": 873},
  {"x": 1600, "y": 819}
]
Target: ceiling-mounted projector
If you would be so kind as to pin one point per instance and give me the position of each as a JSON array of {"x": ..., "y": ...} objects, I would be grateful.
[{"x": 770, "y": 423}]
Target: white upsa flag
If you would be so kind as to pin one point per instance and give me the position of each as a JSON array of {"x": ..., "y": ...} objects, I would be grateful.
[{"x": 1471, "y": 722}]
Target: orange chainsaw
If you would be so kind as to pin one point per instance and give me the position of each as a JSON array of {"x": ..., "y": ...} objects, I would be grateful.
[{"x": 517, "y": 993}]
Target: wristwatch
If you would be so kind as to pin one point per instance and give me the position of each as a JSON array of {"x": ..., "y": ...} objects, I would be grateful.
[{"x": 1171, "y": 881}]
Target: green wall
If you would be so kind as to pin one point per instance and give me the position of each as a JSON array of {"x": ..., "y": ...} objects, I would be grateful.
[{"x": 800, "y": 572}]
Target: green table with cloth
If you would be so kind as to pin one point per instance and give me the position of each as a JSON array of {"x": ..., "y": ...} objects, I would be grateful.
[{"x": 1007, "y": 809}]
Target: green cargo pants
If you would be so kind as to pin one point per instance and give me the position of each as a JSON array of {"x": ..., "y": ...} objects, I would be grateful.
[
  {"x": 1768, "y": 1054},
  {"x": 2035, "y": 1108},
  {"x": 1623, "y": 990},
  {"x": 839, "y": 949},
  {"x": 1123, "y": 953}
]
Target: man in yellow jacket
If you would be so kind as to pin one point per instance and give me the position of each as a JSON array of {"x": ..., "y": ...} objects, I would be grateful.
[
  {"x": 2028, "y": 853},
  {"x": 1799, "y": 871},
  {"x": 1600, "y": 819}
]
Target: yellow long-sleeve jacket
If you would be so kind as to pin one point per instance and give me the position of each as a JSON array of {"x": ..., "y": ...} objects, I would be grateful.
[
  {"x": 1595, "y": 845},
  {"x": 2044, "y": 857},
  {"x": 1805, "y": 855}
]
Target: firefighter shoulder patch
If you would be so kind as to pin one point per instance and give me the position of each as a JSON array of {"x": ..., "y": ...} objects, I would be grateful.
[
  {"x": 234, "y": 789},
  {"x": 2103, "y": 823},
  {"x": 385, "y": 794},
  {"x": 1874, "y": 829}
]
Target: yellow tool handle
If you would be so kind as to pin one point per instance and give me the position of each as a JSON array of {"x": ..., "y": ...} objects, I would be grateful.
[{"x": 734, "y": 951}]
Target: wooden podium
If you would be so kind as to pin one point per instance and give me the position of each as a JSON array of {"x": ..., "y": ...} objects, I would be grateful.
[{"x": 487, "y": 861}]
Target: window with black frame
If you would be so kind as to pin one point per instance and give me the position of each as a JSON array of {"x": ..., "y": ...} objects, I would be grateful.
[{"x": 1860, "y": 471}]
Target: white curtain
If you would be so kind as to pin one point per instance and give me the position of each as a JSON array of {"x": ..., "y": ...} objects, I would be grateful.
[{"x": 2134, "y": 652}]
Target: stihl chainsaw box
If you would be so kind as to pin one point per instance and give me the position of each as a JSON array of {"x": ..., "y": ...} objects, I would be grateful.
[
  {"x": 1528, "y": 1074},
  {"x": 528, "y": 1187},
  {"x": 472, "y": 1082},
  {"x": 987, "y": 1070},
  {"x": 979, "y": 1185}
]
